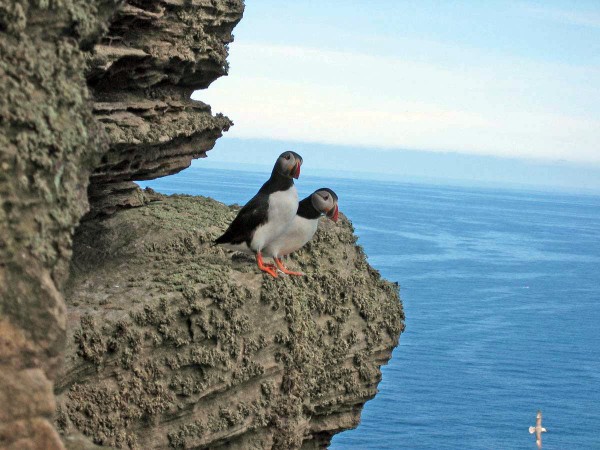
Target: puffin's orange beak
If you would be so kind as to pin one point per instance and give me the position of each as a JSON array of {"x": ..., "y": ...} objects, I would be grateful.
[
  {"x": 296, "y": 170},
  {"x": 333, "y": 213}
]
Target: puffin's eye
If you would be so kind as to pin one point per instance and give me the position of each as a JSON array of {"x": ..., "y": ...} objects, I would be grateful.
[
  {"x": 326, "y": 197},
  {"x": 287, "y": 157}
]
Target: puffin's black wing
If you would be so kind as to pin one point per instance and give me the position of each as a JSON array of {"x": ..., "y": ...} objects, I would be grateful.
[{"x": 250, "y": 217}]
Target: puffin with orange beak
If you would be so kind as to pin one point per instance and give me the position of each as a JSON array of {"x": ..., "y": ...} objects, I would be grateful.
[
  {"x": 268, "y": 214},
  {"x": 303, "y": 227}
]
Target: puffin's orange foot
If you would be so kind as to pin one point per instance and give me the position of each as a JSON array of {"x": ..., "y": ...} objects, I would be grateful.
[
  {"x": 271, "y": 271},
  {"x": 269, "y": 268},
  {"x": 285, "y": 269}
]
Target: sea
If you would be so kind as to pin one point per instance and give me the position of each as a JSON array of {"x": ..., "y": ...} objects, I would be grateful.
[{"x": 501, "y": 291}]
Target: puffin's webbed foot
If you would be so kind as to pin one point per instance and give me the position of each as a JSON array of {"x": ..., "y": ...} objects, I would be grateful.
[
  {"x": 285, "y": 269},
  {"x": 269, "y": 268}
]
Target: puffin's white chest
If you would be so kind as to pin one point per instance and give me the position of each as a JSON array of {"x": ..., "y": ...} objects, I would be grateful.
[
  {"x": 282, "y": 209},
  {"x": 298, "y": 233}
]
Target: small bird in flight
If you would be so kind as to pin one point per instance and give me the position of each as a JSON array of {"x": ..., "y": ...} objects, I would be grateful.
[{"x": 538, "y": 429}]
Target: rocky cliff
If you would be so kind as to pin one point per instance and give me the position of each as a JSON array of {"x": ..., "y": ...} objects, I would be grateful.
[
  {"x": 49, "y": 144},
  {"x": 141, "y": 75},
  {"x": 164, "y": 340},
  {"x": 172, "y": 343}
]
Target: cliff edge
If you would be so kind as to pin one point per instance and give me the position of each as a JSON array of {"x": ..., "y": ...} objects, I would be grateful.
[{"x": 175, "y": 343}]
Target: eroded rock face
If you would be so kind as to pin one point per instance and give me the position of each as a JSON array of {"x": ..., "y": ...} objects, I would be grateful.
[
  {"x": 49, "y": 144},
  {"x": 173, "y": 343},
  {"x": 142, "y": 74},
  {"x": 170, "y": 342}
]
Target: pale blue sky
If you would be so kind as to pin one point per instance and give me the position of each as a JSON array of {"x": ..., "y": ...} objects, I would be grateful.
[{"x": 516, "y": 79}]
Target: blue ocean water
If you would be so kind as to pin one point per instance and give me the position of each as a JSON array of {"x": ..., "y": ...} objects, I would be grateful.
[{"x": 501, "y": 291}]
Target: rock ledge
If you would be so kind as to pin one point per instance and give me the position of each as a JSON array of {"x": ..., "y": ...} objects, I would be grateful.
[{"x": 174, "y": 343}]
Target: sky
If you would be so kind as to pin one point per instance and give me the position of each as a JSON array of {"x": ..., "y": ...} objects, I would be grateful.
[
  {"x": 518, "y": 81},
  {"x": 409, "y": 166}
]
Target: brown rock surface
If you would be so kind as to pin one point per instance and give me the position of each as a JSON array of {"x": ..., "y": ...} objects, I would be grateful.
[
  {"x": 169, "y": 341},
  {"x": 49, "y": 143},
  {"x": 172, "y": 343},
  {"x": 142, "y": 74}
]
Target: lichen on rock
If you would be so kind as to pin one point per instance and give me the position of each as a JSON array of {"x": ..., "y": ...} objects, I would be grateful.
[
  {"x": 170, "y": 342},
  {"x": 176, "y": 343},
  {"x": 141, "y": 75},
  {"x": 49, "y": 143}
]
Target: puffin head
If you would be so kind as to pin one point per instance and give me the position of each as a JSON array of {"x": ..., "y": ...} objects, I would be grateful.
[
  {"x": 288, "y": 164},
  {"x": 326, "y": 202}
]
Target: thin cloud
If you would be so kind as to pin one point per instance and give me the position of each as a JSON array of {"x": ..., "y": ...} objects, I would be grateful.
[
  {"x": 577, "y": 18},
  {"x": 512, "y": 108}
]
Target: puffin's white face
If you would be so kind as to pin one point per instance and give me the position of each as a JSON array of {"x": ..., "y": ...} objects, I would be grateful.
[
  {"x": 288, "y": 164},
  {"x": 326, "y": 202}
]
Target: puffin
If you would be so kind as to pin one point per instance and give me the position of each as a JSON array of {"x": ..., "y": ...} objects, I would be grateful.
[
  {"x": 268, "y": 213},
  {"x": 538, "y": 429},
  {"x": 303, "y": 227}
]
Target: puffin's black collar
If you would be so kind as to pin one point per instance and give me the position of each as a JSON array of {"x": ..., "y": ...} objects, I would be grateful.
[{"x": 307, "y": 210}]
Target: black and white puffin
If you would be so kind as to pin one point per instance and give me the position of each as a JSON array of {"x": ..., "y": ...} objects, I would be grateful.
[
  {"x": 303, "y": 227},
  {"x": 268, "y": 213}
]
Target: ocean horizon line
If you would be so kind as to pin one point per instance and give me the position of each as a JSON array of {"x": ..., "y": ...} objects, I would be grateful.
[{"x": 406, "y": 179}]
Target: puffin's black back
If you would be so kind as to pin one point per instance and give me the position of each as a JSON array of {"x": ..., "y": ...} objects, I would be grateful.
[
  {"x": 250, "y": 217},
  {"x": 255, "y": 212}
]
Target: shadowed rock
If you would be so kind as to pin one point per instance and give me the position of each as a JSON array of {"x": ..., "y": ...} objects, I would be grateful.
[{"x": 49, "y": 144}]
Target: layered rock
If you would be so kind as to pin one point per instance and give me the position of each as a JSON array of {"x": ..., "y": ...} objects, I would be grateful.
[
  {"x": 172, "y": 343},
  {"x": 49, "y": 144},
  {"x": 142, "y": 74}
]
